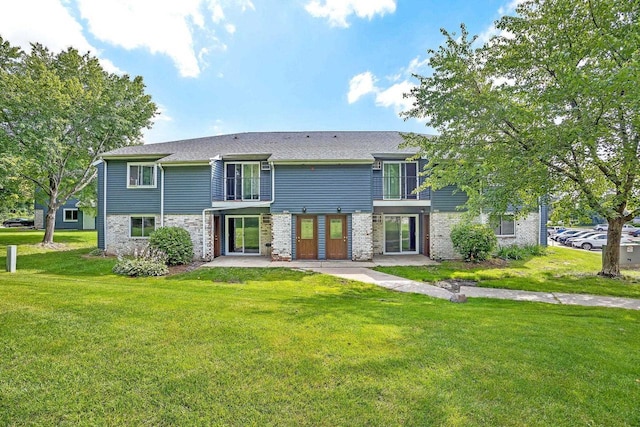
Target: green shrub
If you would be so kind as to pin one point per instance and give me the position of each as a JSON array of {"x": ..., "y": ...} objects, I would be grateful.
[
  {"x": 475, "y": 242},
  {"x": 520, "y": 252},
  {"x": 175, "y": 242},
  {"x": 148, "y": 262},
  {"x": 97, "y": 252}
]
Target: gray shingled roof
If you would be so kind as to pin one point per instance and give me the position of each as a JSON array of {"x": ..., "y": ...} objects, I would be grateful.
[{"x": 276, "y": 147}]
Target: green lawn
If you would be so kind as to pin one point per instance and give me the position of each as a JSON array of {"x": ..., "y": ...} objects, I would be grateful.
[
  {"x": 560, "y": 270},
  {"x": 80, "y": 346}
]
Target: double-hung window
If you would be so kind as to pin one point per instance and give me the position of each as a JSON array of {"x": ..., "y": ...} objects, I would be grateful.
[
  {"x": 242, "y": 181},
  {"x": 141, "y": 175},
  {"x": 399, "y": 180},
  {"x": 70, "y": 215},
  {"x": 506, "y": 226}
]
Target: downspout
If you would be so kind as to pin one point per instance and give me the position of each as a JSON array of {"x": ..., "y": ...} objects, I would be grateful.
[
  {"x": 204, "y": 211},
  {"x": 161, "y": 195},
  {"x": 104, "y": 207}
]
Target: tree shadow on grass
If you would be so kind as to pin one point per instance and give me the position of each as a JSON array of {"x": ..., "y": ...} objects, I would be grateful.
[
  {"x": 64, "y": 263},
  {"x": 13, "y": 236}
]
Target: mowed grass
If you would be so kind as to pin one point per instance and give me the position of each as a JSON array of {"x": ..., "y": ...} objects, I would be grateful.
[
  {"x": 560, "y": 270},
  {"x": 80, "y": 346}
]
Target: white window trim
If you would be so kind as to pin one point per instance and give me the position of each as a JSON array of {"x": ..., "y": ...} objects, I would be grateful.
[
  {"x": 64, "y": 215},
  {"x": 513, "y": 218},
  {"x": 155, "y": 175},
  {"x": 384, "y": 235},
  {"x": 243, "y": 199},
  {"x": 226, "y": 235},
  {"x": 155, "y": 226},
  {"x": 402, "y": 178}
]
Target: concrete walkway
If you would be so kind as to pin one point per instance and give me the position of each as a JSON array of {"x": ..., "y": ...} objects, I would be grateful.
[
  {"x": 405, "y": 285},
  {"x": 361, "y": 271}
]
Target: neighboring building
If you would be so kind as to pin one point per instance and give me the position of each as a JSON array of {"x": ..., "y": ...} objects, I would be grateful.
[
  {"x": 287, "y": 195},
  {"x": 70, "y": 216}
]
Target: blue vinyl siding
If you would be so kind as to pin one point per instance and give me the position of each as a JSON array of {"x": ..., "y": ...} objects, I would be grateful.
[
  {"x": 447, "y": 199},
  {"x": 323, "y": 188},
  {"x": 265, "y": 185},
  {"x": 60, "y": 224},
  {"x": 187, "y": 189},
  {"x": 217, "y": 181},
  {"x": 544, "y": 217},
  {"x": 322, "y": 238},
  {"x": 100, "y": 217},
  {"x": 123, "y": 200}
]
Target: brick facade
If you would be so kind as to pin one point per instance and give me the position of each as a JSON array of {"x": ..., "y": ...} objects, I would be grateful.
[
  {"x": 265, "y": 235},
  {"x": 118, "y": 241},
  {"x": 281, "y": 237},
  {"x": 193, "y": 225},
  {"x": 526, "y": 233},
  {"x": 361, "y": 237}
]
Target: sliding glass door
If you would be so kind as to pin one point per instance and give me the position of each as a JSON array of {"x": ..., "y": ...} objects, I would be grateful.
[
  {"x": 401, "y": 234},
  {"x": 243, "y": 235}
]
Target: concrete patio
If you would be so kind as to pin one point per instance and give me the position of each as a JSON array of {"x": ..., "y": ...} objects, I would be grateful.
[{"x": 378, "y": 260}]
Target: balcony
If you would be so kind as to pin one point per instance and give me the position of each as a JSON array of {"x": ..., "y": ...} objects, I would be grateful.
[
  {"x": 242, "y": 189},
  {"x": 394, "y": 190}
]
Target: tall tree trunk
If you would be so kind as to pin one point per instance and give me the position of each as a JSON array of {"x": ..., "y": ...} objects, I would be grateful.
[
  {"x": 611, "y": 254},
  {"x": 50, "y": 225}
]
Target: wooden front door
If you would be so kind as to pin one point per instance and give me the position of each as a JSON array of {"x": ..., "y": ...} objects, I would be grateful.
[
  {"x": 306, "y": 237},
  {"x": 217, "y": 241},
  {"x": 426, "y": 248},
  {"x": 336, "y": 237}
]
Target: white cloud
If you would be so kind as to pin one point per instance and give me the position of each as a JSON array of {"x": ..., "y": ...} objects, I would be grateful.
[
  {"x": 337, "y": 11},
  {"x": 361, "y": 85},
  {"x": 50, "y": 24},
  {"x": 394, "y": 96},
  {"x": 391, "y": 97},
  {"x": 160, "y": 27},
  {"x": 177, "y": 29},
  {"x": 183, "y": 30}
]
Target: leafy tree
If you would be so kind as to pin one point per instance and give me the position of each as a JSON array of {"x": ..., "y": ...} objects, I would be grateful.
[
  {"x": 58, "y": 113},
  {"x": 550, "y": 104}
]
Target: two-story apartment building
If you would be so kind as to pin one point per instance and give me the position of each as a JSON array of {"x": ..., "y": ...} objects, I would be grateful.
[{"x": 286, "y": 195}]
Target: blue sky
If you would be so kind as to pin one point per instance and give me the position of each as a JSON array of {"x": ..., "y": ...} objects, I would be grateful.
[{"x": 226, "y": 66}]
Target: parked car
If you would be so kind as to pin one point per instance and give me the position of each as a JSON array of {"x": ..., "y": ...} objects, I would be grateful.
[
  {"x": 582, "y": 235},
  {"x": 565, "y": 235},
  {"x": 626, "y": 228},
  {"x": 561, "y": 234},
  {"x": 595, "y": 242},
  {"x": 18, "y": 222},
  {"x": 635, "y": 233},
  {"x": 553, "y": 230}
]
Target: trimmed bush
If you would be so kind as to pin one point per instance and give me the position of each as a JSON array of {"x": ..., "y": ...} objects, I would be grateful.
[
  {"x": 475, "y": 242},
  {"x": 175, "y": 242},
  {"x": 148, "y": 262},
  {"x": 520, "y": 252}
]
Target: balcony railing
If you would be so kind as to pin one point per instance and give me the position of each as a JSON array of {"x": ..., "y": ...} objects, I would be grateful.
[
  {"x": 242, "y": 189},
  {"x": 398, "y": 188}
]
